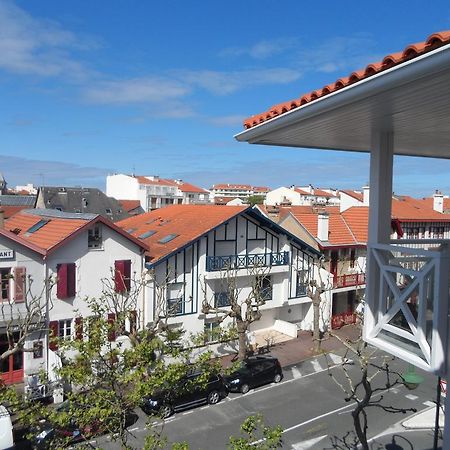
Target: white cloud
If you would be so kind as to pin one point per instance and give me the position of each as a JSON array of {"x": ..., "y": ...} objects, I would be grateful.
[
  {"x": 136, "y": 90},
  {"x": 263, "y": 49},
  {"x": 227, "y": 121},
  {"x": 19, "y": 170},
  {"x": 37, "y": 46},
  {"x": 338, "y": 54},
  {"x": 223, "y": 83}
]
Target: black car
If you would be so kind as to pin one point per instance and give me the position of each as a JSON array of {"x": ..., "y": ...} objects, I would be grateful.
[
  {"x": 188, "y": 392},
  {"x": 254, "y": 371}
]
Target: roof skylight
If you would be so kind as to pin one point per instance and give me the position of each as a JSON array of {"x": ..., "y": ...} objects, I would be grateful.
[
  {"x": 167, "y": 238},
  {"x": 36, "y": 226},
  {"x": 147, "y": 234}
]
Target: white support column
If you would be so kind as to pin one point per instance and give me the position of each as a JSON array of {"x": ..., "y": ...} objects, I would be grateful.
[{"x": 381, "y": 173}]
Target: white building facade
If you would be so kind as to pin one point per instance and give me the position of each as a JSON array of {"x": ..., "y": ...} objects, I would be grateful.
[{"x": 59, "y": 278}]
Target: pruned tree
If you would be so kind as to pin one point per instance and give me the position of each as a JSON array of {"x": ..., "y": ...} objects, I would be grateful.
[
  {"x": 365, "y": 390},
  {"x": 242, "y": 307},
  {"x": 25, "y": 315}
]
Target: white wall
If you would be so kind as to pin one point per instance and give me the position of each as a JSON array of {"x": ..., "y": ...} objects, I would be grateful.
[
  {"x": 122, "y": 187},
  {"x": 282, "y": 194}
]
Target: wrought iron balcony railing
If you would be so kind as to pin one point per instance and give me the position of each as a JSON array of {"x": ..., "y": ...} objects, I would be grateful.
[
  {"x": 349, "y": 280},
  {"x": 214, "y": 263}
]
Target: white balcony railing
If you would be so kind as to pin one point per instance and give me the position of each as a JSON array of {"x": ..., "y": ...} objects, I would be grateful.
[{"x": 407, "y": 300}]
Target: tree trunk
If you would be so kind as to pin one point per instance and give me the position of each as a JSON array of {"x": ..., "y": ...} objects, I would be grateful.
[
  {"x": 316, "y": 326},
  {"x": 242, "y": 345}
]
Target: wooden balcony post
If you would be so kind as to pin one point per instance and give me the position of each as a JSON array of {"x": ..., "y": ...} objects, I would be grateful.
[{"x": 381, "y": 172}]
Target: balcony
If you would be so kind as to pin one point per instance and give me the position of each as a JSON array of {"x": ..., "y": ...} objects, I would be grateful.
[
  {"x": 216, "y": 263},
  {"x": 349, "y": 280},
  {"x": 407, "y": 299}
]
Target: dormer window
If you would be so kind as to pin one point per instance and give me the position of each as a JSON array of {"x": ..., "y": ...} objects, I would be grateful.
[{"x": 95, "y": 237}]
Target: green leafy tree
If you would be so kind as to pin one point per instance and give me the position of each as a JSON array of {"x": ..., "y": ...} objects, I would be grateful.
[{"x": 255, "y": 434}]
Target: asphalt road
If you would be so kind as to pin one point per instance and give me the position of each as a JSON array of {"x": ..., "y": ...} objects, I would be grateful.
[{"x": 307, "y": 404}]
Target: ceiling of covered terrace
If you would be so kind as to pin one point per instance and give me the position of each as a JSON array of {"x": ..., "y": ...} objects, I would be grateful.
[{"x": 410, "y": 98}]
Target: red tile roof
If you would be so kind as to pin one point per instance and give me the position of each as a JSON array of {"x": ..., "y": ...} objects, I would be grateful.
[
  {"x": 188, "y": 187},
  {"x": 434, "y": 41},
  {"x": 9, "y": 211},
  {"x": 356, "y": 195},
  {"x": 57, "y": 230},
  {"x": 261, "y": 189},
  {"x": 232, "y": 186},
  {"x": 339, "y": 234},
  {"x": 156, "y": 181},
  {"x": 187, "y": 222},
  {"x": 129, "y": 205}
]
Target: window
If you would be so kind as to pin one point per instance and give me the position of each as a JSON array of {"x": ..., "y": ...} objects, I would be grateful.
[
  {"x": 147, "y": 234},
  {"x": 108, "y": 211},
  {"x": 302, "y": 283},
  {"x": 352, "y": 258},
  {"x": 38, "y": 349},
  {"x": 175, "y": 299},
  {"x": 122, "y": 275},
  {"x": 65, "y": 329},
  {"x": 5, "y": 277},
  {"x": 36, "y": 226},
  {"x": 264, "y": 285},
  {"x": 167, "y": 238},
  {"x": 65, "y": 285},
  {"x": 211, "y": 332},
  {"x": 95, "y": 237},
  {"x": 221, "y": 299}
]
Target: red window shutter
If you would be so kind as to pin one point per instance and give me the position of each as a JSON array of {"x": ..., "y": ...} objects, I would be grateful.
[
  {"x": 111, "y": 327},
  {"x": 78, "y": 328},
  {"x": 65, "y": 287},
  {"x": 19, "y": 284},
  {"x": 122, "y": 275},
  {"x": 71, "y": 280},
  {"x": 52, "y": 335}
]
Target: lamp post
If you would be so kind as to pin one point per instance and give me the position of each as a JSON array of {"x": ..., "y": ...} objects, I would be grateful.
[{"x": 411, "y": 379}]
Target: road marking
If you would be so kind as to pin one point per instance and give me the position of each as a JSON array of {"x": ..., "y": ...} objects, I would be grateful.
[
  {"x": 329, "y": 413},
  {"x": 188, "y": 412},
  {"x": 336, "y": 359},
  {"x": 133, "y": 429},
  {"x": 296, "y": 373},
  {"x": 429, "y": 403},
  {"x": 411, "y": 397},
  {"x": 316, "y": 365},
  {"x": 395, "y": 391},
  {"x": 305, "y": 445}
]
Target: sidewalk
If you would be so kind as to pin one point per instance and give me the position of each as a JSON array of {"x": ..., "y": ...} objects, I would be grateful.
[{"x": 293, "y": 351}]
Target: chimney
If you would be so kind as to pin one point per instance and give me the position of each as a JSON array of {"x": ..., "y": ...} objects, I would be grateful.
[
  {"x": 366, "y": 195},
  {"x": 322, "y": 226},
  {"x": 438, "y": 202}
]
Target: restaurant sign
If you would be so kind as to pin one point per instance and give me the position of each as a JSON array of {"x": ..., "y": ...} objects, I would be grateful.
[{"x": 6, "y": 254}]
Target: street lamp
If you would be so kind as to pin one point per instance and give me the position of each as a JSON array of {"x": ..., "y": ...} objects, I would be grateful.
[{"x": 411, "y": 379}]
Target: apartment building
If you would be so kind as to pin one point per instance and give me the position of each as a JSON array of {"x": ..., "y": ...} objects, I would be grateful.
[{"x": 154, "y": 192}]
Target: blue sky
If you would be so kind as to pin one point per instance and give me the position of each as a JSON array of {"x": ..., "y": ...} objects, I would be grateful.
[{"x": 89, "y": 88}]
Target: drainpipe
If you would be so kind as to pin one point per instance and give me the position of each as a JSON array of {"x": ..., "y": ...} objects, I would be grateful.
[{"x": 2, "y": 218}]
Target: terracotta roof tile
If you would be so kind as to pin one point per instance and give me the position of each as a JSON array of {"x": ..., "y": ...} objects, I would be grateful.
[
  {"x": 157, "y": 181},
  {"x": 434, "y": 41},
  {"x": 9, "y": 211},
  {"x": 188, "y": 222},
  {"x": 56, "y": 230},
  {"x": 188, "y": 187},
  {"x": 356, "y": 195},
  {"x": 129, "y": 205},
  {"x": 232, "y": 186}
]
